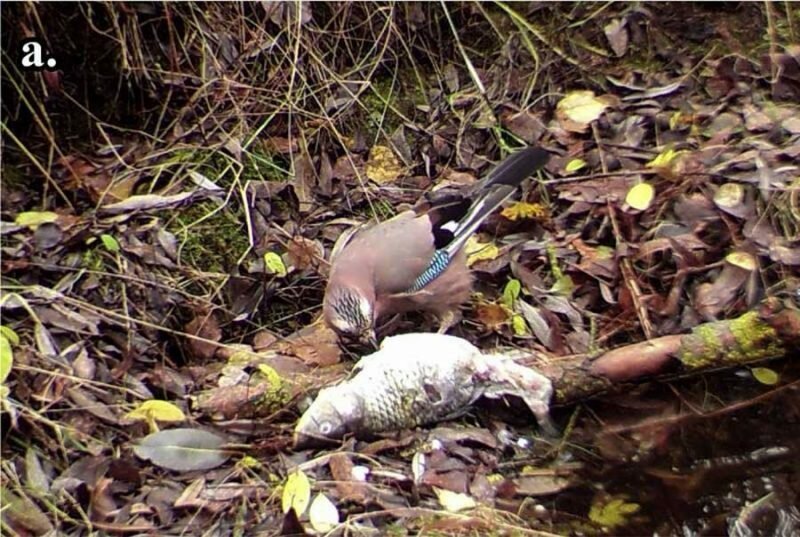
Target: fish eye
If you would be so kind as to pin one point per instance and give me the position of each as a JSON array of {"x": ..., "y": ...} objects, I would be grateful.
[{"x": 325, "y": 427}]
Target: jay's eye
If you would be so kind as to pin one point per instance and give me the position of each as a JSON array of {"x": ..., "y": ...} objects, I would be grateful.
[{"x": 325, "y": 427}]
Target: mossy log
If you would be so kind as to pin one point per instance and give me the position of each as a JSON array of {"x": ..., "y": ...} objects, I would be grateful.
[{"x": 771, "y": 331}]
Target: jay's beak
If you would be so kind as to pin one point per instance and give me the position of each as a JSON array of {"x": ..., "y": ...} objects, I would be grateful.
[
  {"x": 366, "y": 338},
  {"x": 371, "y": 338}
]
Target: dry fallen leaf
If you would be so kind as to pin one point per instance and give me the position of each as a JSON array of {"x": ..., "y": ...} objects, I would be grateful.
[
  {"x": 617, "y": 35},
  {"x": 454, "y": 501},
  {"x": 322, "y": 514},
  {"x": 480, "y": 251},
  {"x": 578, "y": 109},
  {"x": 383, "y": 166},
  {"x": 492, "y": 316},
  {"x": 205, "y": 326},
  {"x": 522, "y": 210}
]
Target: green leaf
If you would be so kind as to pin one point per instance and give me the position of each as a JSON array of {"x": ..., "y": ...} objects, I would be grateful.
[
  {"x": 109, "y": 242},
  {"x": 33, "y": 219},
  {"x": 511, "y": 292},
  {"x": 10, "y": 335},
  {"x": 274, "y": 264},
  {"x": 183, "y": 450},
  {"x": 518, "y": 325},
  {"x": 765, "y": 375},
  {"x": 296, "y": 493},
  {"x": 6, "y": 358},
  {"x": 574, "y": 165},
  {"x": 563, "y": 286}
]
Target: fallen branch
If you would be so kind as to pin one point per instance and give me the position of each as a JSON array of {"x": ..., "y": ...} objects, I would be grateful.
[{"x": 766, "y": 333}]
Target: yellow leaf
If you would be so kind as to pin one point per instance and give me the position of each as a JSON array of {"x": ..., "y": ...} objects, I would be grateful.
[
  {"x": 249, "y": 462},
  {"x": 665, "y": 159},
  {"x": 522, "y": 209},
  {"x": 581, "y": 106},
  {"x": 155, "y": 410},
  {"x": 678, "y": 120},
  {"x": 454, "y": 501},
  {"x": 6, "y": 358},
  {"x": 480, "y": 251},
  {"x": 383, "y": 166},
  {"x": 640, "y": 196},
  {"x": 742, "y": 260},
  {"x": 612, "y": 513},
  {"x": 729, "y": 195},
  {"x": 296, "y": 493},
  {"x": 574, "y": 165},
  {"x": 274, "y": 264},
  {"x": 495, "y": 479},
  {"x": 322, "y": 514},
  {"x": 33, "y": 219},
  {"x": 518, "y": 325},
  {"x": 765, "y": 375}
]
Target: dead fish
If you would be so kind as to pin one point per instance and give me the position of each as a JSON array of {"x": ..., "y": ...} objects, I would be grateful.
[{"x": 416, "y": 379}]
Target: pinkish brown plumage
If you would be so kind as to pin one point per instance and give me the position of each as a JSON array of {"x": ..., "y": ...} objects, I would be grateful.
[{"x": 415, "y": 261}]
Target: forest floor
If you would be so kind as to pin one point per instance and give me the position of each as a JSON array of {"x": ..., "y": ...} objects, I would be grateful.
[{"x": 173, "y": 190}]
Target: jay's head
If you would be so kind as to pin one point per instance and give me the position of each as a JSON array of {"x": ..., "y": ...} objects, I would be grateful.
[{"x": 350, "y": 314}]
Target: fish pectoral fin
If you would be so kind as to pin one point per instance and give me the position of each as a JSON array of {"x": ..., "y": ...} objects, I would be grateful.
[{"x": 541, "y": 411}]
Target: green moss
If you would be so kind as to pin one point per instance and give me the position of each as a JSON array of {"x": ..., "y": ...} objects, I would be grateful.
[
  {"x": 379, "y": 99},
  {"x": 92, "y": 258},
  {"x": 749, "y": 339},
  {"x": 210, "y": 243},
  {"x": 702, "y": 347},
  {"x": 277, "y": 395},
  {"x": 754, "y": 338},
  {"x": 260, "y": 166}
]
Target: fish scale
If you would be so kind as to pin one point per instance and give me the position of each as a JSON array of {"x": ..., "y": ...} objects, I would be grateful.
[{"x": 416, "y": 379}]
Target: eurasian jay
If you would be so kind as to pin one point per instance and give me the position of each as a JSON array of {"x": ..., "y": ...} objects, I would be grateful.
[{"x": 416, "y": 261}]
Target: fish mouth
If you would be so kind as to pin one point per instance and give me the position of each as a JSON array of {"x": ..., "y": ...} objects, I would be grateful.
[{"x": 307, "y": 434}]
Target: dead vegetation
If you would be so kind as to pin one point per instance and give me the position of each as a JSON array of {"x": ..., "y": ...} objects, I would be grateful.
[{"x": 172, "y": 193}]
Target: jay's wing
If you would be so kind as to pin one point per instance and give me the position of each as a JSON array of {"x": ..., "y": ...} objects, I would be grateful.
[{"x": 395, "y": 252}]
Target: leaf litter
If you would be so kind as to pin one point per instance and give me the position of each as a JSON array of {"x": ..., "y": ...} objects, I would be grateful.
[{"x": 176, "y": 251}]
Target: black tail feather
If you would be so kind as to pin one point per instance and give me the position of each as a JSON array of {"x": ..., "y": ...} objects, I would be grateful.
[
  {"x": 515, "y": 169},
  {"x": 456, "y": 215}
]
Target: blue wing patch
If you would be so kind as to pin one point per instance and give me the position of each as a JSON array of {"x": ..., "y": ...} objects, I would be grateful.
[{"x": 439, "y": 263}]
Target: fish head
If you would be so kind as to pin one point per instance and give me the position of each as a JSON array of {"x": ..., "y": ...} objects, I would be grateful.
[{"x": 334, "y": 413}]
